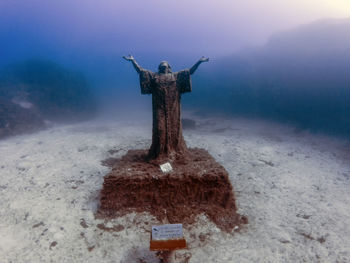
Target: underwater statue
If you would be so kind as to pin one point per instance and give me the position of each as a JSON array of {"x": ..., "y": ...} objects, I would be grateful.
[{"x": 166, "y": 88}]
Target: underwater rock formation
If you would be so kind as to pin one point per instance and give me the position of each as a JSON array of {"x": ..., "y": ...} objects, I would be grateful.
[{"x": 35, "y": 91}]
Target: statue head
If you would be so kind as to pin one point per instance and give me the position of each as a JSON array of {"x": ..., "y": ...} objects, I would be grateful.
[{"x": 164, "y": 67}]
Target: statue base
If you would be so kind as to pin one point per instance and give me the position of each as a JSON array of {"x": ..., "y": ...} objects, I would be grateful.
[{"x": 196, "y": 185}]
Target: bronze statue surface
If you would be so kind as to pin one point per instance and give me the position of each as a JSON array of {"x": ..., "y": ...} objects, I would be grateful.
[{"x": 166, "y": 88}]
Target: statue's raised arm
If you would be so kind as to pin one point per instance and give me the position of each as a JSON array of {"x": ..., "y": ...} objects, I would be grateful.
[
  {"x": 195, "y": 66},
  {"x": 134, "y": 63}
]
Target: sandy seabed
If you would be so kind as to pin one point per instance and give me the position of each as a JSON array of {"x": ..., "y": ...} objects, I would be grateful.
[{"x": 293, "y": 186}]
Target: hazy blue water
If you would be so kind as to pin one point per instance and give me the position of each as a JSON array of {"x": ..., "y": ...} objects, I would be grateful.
[{"x": 299, "y": 77}]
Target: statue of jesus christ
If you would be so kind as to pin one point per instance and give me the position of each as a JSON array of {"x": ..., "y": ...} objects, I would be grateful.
[{"x": 166, "y": 88}]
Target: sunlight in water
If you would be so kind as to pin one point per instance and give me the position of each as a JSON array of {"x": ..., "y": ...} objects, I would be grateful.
[{"x": 341, "y": 6}]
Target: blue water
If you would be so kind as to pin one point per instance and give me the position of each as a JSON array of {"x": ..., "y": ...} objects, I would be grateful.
[{"x": 300, "y": 77}]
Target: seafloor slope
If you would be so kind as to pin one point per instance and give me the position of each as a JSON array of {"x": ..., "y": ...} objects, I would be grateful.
[{"x": 294, "y": 188}]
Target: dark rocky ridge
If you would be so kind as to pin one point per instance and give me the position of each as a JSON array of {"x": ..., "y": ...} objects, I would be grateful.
[
  {"x": 36, "y": 91},
  {"x": 301, "y": 77}
]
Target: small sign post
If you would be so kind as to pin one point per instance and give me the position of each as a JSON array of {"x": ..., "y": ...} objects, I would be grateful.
[{"x": 167, "y": 238}]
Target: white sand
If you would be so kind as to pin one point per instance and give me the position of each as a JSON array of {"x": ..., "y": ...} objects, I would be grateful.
[{"x": 293, "y": 187}]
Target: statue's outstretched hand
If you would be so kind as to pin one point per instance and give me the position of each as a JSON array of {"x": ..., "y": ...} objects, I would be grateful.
[
  {"x": 195, "y": 66},
  {"x": 204, "y": 59},
  {"x": 128, "y": 58}
]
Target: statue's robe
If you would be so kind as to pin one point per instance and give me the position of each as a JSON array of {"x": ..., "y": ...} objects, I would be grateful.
[{"x": 166, "y": 90}]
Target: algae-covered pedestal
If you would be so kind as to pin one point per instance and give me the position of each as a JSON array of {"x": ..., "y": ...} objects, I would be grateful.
[{"x": 197, "y": 185}]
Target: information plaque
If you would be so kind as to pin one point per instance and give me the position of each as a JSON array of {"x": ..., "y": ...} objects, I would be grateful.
[{"x": 167, "y": 237}]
